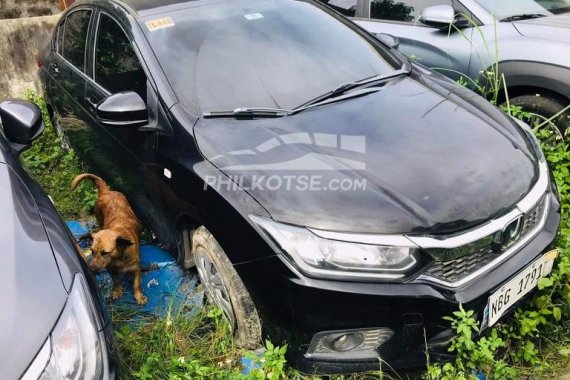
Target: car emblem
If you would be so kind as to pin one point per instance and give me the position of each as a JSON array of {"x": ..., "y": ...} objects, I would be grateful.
[{"x": 509, "y": 235}]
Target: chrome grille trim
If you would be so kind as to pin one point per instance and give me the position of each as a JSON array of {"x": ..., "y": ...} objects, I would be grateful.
[
  {"x": 469, "y": 237},
  {"x": 529, "y": 220},
  {"x": 498, "y": 259},
  {"x": 455, "y": 268}
]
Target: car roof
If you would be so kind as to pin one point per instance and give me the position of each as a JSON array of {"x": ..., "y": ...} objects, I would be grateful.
[{"x": 142, "y": 5}]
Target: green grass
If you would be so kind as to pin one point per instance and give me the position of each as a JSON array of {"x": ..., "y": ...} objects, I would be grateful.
[
  {"x": 160, "y": 348},
  {"x": 54, "y": 168},
  {"x": 201, "y": 347}
]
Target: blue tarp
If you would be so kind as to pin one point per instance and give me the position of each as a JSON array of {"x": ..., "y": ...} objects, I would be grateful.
[{"x": 164, "y": 282}]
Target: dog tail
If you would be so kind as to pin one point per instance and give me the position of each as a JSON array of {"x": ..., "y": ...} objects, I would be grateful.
[{"x": 101, "y": 185}]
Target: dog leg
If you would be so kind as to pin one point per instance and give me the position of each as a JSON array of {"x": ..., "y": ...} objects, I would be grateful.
[
  {"x": 117, "y": 286},
  {"x": 137, "y": 291}
]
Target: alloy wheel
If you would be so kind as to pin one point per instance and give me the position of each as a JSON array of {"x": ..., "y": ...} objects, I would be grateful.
[{"x": 214, "y": 285}]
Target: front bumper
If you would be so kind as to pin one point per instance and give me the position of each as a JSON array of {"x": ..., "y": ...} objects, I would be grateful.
[{"x": 295, "y": 307}]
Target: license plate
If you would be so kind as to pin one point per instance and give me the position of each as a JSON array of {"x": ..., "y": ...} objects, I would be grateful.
[{"x": 518, "y": 287}]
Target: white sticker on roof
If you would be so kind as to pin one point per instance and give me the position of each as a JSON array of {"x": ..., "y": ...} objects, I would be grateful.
[
  {"x": 253, "y": 16},
  {"x": 159, "y": 23}
]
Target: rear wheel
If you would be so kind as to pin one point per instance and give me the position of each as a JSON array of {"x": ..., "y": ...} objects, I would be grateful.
[
  {"x": 543, "y": 108},
  {"x": 225, "y": 288}
]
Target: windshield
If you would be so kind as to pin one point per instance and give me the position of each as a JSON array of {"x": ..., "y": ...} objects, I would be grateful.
[
  {"x": 259, "y": 53},
  {"x": 507, "y": 8}
]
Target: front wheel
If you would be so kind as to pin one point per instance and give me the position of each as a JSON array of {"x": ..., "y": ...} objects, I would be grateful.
[{"x": 225, "y": 288}]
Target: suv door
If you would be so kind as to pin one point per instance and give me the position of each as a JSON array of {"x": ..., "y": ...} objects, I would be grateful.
[
  {"x": 67, "y": 67},
  {"x": 430, "y": 46}
]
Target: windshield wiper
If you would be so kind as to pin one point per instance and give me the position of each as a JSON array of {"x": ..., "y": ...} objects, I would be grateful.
[
  {"x": 245, "y": 112},
  {"x": 260, "y": 112},
  {"x": 345, "y": 87},
  {"x": 524, "y": 16}
]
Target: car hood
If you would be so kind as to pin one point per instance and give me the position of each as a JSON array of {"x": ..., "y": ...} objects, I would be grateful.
[
  {"x": 31, "y": 288},
  {"x": 434, "y": 157},
  {"x": 551, "y": 28}
]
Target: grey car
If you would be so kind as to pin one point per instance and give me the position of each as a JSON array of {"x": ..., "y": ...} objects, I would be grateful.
[{"x": 531, "y": 38}]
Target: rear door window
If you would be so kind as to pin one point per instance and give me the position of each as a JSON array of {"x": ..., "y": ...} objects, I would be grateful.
[{"x": 74, "y": 34}]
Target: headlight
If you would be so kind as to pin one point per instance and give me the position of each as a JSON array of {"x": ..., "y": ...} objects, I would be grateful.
[
  {"x": 74, "y": 345},
  {"x": 337, "y": 259}
]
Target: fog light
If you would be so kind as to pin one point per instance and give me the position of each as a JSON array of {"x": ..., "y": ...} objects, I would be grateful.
[
  {"x": 347, "y": 342},
  {"x": 355, "y": 344}
]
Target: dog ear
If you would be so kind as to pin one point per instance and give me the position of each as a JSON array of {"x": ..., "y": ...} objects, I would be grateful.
[{"x": 123, "y": 242}]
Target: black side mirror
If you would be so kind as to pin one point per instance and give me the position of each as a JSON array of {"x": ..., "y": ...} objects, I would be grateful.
[
  {"x": 123, "y": 109},
  {"x": 388, "y": 39},
  {"x": 21, "y": 121}
]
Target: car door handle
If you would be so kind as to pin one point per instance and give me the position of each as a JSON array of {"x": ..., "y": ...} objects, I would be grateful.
[
  {"x": 91, "y": 104},
  {"x": 54, "y": 68}
]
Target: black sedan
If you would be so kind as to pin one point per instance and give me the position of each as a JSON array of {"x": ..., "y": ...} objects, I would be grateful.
[
  {"x": 53, "y": 324},
  {"x": 329, "y": 192}
]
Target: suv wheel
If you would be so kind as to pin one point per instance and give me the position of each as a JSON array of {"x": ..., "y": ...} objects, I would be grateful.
[
  {"x": 547, "y": 107},
  {"x": 224, "y": 287}
]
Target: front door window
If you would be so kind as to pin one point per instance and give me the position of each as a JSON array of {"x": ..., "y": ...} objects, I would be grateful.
[{"x": 117, "y": 67}]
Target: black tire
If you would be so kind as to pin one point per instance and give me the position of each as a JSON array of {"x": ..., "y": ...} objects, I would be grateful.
[
  {"x": 546, "y": 106},
  {"x": 247, "y": 326}
]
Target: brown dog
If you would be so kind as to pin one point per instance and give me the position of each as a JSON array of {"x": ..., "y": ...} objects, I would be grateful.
[{"x": 116, "y": 245}]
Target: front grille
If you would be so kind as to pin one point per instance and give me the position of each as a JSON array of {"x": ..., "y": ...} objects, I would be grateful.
[
  {"x": 454, "y": 270},
  {"x": 532, "y": 218},
  {"x": 459, "y": 268}
]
